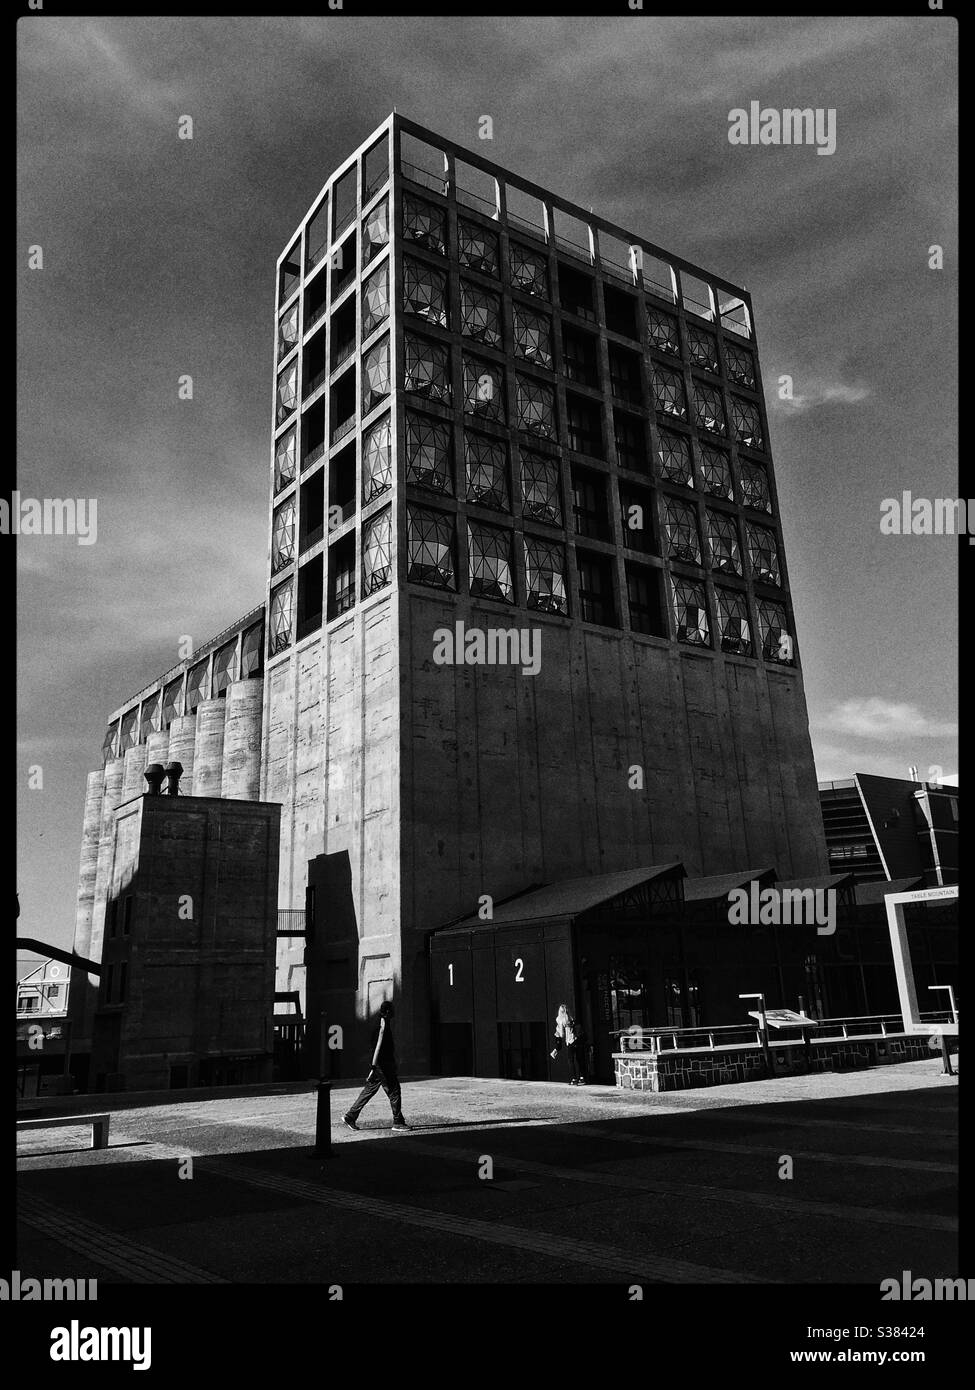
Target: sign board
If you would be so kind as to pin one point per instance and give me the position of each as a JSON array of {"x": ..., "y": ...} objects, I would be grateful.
[
  {"x": 903, "y": 966},
  {"x": 784, "y": 1018}
]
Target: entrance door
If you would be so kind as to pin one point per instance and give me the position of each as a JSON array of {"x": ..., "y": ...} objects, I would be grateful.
[
  {"x": 521, "y": 1047},
  {"x": 454, "y": 1043}
]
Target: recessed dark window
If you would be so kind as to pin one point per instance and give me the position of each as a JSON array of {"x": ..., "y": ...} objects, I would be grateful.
[
  {"x": 310, "y": 579},
  {"x": 644, "y": 600},
  {"x": 596, "y": 589}
]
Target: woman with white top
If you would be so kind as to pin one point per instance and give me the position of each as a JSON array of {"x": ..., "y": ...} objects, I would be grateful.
[{"x": 568, "y": 1034}]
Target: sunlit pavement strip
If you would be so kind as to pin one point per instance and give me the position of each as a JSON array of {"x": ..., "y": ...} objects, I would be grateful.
[
  {"x": 137, "y": 1263},
  {"x": 684, "y": 1190},
  {"x": 917, "y": 1165},
  {"x": 651, "y": 1268}
]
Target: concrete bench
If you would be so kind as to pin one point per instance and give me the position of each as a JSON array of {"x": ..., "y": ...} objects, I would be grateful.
[{"x": 99, "y": 1126}]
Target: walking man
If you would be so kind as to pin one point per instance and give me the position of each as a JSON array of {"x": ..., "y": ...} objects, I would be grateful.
[{"x": 381, "y": 1073}]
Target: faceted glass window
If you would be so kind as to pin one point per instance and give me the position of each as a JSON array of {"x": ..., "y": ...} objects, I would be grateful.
[
  {"x": 545, "y": 576},
  {"x": 733, "y": 624},
  {"x": 690, "y": 613},
  {"x": 428, "y": 454},
  {"x": 490, "y": 563},
  {"x": 702, "y": 348},
  {"x": 224, "y": 668},
  {"x": 375, "y": 300},
  {"x": 536, "y": 407},
  {"x": 287, "y": 397},
  {"x": 424, "y": 291},
  {"x": 483, "y": 388},
  {"x": 529, "y": 271},
  {"x": 196, "y": 680},
  {"x": 662, "y": 330},
  {"x": 723, "y": 543},
  {"x": 172, "y": 706},
  {"x": 477, "y": 248},
  {"x": 754, "y": 486},
  {"x": 375, "y": 231},
  {"x": 129, "y": 730},
  {"x": 716, "y": 473},
  {"x": 377, "y": 565},
  {"x": 426, "y": 368},
  {"x": 430, "y": 548},
  {"x": 375, "y": 376},
  {"x": 424, "y": 223},
  {"x": 283, "y": 536},
  {"x": 668, "y": 392},
  {"x": 683, "y": 542},
  {"x": 777, "y": 644},
  {"x": 540, "y": 483},
  {"x": 281, "y": 618},
  {"x": 284, "y": 461},
  {"x": 480, "y": 314},
  {"x": 487, "y": 471},
  {"x": 250, "y": 651},
  {"x": 741, "y": 365},
  {"x": 746, "y": 422},
  {"x": 149, "y": 723},
  {"x": 709, "y": 409},
  {"x": 675, "y": 458},
  {"x": 288, "y": 330},
  {"x": 108, "y": 745},
  {"x": 764, "y": 554},
  {"x": 533, "y": 336},
  {"x": 377, "y": 460}
]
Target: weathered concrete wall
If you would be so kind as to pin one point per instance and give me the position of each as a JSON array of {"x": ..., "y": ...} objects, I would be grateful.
[
  {"x": 208, "y": 750},
  {"x": 88, "y": 868},
  {"x": 182, "y": 747},
  {"x": 241, "y": 774}
]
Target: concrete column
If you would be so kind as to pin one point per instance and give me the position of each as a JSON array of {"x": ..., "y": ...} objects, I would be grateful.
[
  {"x": 114, "y": 777},
  {"x": 133, "y": 783},
  {"x": 242, "y": 741},
  {"x": 157, "y": 751},
  {"x": 182, "y": 743},
  {"x": 208, "y": 750},
  {"x": 90, "y": 836}
]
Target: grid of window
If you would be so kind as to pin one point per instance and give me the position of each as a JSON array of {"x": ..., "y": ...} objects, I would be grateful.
[
  {"x": 709, "y": 408},
  {"x": 540, "y": 482},
  {"x": 741, "y": 365},
  {"x": 533, "y": 336},
  {"x": 377, "y": 566},
  {"x": 584, "y": 425},
  {"x": 477, "y": 247},
  {"x": 690, "y": 613},
  {"x": 426, "y": 368},
  {"x": 630, "y": 440},
  {"x": 280, "y": 618},
  {"x": 723, "y": 542},
  {"x": 284, "y": 461},
  {"x": 375, "y": 232},
  {"x": 529, "y": 271},
  {"x": 675, "y": 458},
  {"x": 483, "y": 388},
  {"x": 224, "y": 668},
  {"x": 172, "y": 706},
  {"x": 287, "y": 396},
  {"x": 424, "y": 291},
  {"x": 150, "y": 717},
  {"x": 283, "y": 536},
  {"x": 375, "y": 300},
  {"x": 545, "y": 576},
  {"x": 754, "y": 486},
  {"x": 428, "y": 454},
  {"x": 375, "y": 376},
  {"x": 424, "y": 223},
  {"x": 763, "y": 553},
  {"x": 196, "y": 679},
  {"x": 702, "y": 348},
  {"x": 734, "y": 628},
  {"x": 773, "y": 625},
  {"x": 536, "y": 407},
  {"x": 108, "y": 744},
  {"x": 746, "y": 422},
  {"x": 668, "y": 392},
  {"x": 596, "y": 589},
  {"x": 129, "y": 731},
  {"x": 430, "y": 548},
  {"x": 662, "y": 330},
  {"x": 589, "y": 513},
  {"x": 480, "y": 314},
  {"x": 490, "y": 563},
  {"x": 716, "y": 473},
  {"x": 288, "y": 330},
  {"x": 683, "y": 542},
  {"x": 250, "y": 651},
  {"x": 377, "y": 460},
  {"x": 487, "y": 471}
]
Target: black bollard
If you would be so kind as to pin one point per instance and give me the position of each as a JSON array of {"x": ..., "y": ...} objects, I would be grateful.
[
  {"x": 323, "y": 1121},
  {"x": 946, "y": 1067}
]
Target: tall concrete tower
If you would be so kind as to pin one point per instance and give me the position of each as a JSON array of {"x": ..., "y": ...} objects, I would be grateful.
[{"x": 528, "y": 610}]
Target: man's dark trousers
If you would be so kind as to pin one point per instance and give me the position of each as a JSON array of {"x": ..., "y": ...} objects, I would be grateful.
[{"x": 386, "y": 1078}]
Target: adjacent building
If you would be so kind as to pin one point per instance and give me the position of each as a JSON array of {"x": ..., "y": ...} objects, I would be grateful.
[{"x": 887, "y": 828}]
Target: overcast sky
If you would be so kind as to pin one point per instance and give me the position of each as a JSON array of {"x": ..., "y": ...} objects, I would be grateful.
[{"x": 159, "y": 260}]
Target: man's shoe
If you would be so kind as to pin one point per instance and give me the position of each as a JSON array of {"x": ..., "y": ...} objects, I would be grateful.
[
  {"x": 351, "y": 1123},
  {"x": 400, "y": 1124}
]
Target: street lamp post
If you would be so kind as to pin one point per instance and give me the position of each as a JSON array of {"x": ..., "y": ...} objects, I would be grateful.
[{"x": 762, "y": 1029}]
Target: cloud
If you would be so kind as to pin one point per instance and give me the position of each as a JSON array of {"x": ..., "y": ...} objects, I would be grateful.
[
  {"x": 878, "y": 718},
  {"x": 818, "y": 391}
]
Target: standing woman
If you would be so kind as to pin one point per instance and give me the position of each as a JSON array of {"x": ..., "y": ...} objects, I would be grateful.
[{"x": 567, "y": 1035}]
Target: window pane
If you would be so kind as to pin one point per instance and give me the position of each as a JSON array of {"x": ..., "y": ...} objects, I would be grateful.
[{"x": 430, "y": 548}]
